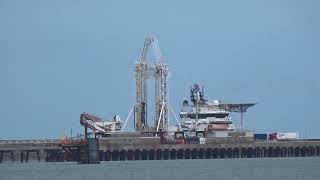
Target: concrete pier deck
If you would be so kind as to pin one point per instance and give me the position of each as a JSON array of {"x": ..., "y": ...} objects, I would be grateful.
[
  {"x": 45, "y": 150},
  {"x": 151, "y": 148},
  {"x": 110, "y": 151}
]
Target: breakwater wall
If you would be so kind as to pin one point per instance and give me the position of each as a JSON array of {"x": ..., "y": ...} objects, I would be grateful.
[{"x": 151, "y": 148}]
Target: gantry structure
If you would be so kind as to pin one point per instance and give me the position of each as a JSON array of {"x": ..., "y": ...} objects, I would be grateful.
[{"x": 145, "y": 70}]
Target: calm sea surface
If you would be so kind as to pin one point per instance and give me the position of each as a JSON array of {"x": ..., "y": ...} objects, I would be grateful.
[{"x": 255, "y": 169}]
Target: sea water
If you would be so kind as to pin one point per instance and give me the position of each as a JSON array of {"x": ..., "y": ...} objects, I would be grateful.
[{"x": 219, "y": 169}]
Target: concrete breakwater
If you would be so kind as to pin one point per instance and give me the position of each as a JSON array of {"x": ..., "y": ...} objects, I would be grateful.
[{"x": 150, "y": 148}]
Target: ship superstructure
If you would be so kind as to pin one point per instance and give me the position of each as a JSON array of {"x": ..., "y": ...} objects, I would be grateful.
[{"x": 203, "y": 115}]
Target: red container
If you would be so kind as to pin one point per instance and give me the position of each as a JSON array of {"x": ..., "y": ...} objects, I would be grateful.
[{"x": 217, "y": 127}]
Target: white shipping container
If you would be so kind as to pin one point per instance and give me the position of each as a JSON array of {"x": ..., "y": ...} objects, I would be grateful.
[
  {"x": 249, "y": 133},
  {"x": 292, "y": 135},
  {"x": 222, "y": 133},
  {"x": 287, "y": 136},
  {"x": 281, "y": 136},
  {"x": 202, "y": 140}
]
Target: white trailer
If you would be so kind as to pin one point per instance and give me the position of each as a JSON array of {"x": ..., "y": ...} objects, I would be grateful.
[{"x": 283, "y": 136}]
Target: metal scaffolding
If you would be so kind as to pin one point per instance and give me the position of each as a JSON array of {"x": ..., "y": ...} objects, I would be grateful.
[{"x": 158, "y": 70}]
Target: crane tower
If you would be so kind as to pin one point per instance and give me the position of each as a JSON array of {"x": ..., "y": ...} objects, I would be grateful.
[{"x": 157, "y": 70}]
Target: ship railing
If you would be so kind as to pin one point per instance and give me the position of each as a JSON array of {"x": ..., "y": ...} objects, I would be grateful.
[{"x": 203, "y": 108}]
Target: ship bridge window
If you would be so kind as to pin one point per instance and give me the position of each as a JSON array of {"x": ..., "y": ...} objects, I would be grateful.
[
  {"x": 203, "y": 116},
  {"x": 183, "y": 115}
]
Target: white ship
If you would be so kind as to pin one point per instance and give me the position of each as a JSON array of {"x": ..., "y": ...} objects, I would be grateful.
[{"x": 202, "y": 115}]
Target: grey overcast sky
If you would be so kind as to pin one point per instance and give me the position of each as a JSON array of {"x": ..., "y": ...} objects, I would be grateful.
[{"x": 63, "y": 57}]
